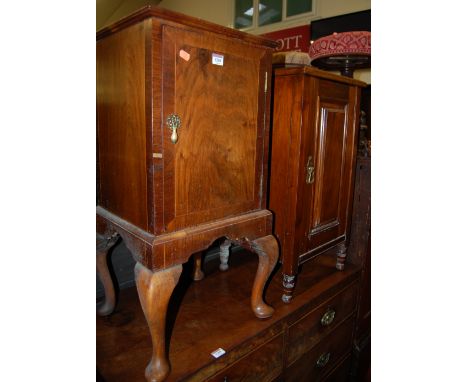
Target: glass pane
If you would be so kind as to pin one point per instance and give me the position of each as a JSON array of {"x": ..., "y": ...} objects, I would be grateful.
[
  {"x": 270, "y": 11},
  {"x": 244, "y": 14},
  {"x": 296, "y": 7}
]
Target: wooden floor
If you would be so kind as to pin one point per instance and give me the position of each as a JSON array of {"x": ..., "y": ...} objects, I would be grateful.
[{"x": 203, "y": 316}]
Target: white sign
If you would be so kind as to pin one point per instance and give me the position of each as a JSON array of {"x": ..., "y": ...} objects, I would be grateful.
[{"x": 217, "y": 59}]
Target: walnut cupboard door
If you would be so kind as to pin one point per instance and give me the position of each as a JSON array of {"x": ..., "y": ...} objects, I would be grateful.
[{"x": 213, "y": 167}]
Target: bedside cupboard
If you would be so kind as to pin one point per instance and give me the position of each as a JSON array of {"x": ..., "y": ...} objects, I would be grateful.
[
  {"x": 313, "y": 155},
  {"x": 183, "y": 110}
]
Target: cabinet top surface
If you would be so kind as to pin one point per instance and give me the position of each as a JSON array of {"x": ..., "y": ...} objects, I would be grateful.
[
  {"x": 164, "y": 14},
  {"x": 314, "y": 72}
]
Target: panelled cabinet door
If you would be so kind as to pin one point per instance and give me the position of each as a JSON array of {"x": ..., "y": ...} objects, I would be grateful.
[
  {"x": 330, "y": 163},
  {"x": 212, "y": 126}
]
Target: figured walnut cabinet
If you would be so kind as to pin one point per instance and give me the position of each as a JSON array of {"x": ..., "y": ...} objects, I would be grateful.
[
  {"x": 314, "y": 143},
  {"x": 183, "y": 135}
]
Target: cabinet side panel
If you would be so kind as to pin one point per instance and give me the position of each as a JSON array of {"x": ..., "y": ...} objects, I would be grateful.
[
  {"x": 286, "y": 136},
  {"x": 120, "y": 80}
]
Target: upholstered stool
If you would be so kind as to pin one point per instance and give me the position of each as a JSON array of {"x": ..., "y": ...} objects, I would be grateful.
[
  {"x": 288, "y": 59},
  {"x": 345, "y": 52}
]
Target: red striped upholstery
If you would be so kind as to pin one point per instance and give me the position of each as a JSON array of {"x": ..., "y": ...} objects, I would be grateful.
[{"x": 346, "y": 43}]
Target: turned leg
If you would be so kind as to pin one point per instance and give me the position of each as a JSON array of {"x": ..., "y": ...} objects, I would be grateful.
[
  {"x": 103, "y": 245},
  {"x": 155, "y": 290},
  {"x": 224, "y": 255},
  {"x": 197, "y": 271},
  {"x": 289, "y": 281},
  {"x": 267, "y": 251},
  {"x": 341, "y": 256}
]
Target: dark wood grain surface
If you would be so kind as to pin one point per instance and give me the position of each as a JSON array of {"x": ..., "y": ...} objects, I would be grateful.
[
  {"x": 335, "y": 347},
  {"x": 209, "y": 314},
  {"x": 314, "y": 143}
]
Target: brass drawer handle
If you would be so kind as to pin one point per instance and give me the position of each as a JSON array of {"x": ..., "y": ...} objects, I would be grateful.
[
  {"x": 173, "y": 122},
  {"x": 323, "y": 360},
  {"x": 310, "y": 171},
  {"x": 328, "y": 317}
]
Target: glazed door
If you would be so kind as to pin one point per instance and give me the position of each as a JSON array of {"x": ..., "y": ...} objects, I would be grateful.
[
  {"x": 214, "y": 93},
  {"x": 329, "y": 164}
]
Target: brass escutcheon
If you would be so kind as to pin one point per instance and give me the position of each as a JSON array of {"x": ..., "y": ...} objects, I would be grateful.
[
  {"x": 173, "y": 122},
  {"x": 323, "y": 360},
  {"x": 328, "y": 317}
]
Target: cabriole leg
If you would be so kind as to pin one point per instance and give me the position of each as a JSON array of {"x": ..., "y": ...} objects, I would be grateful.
[
  {"x": 155, "y": 290},
  {"x": 267, "y": 251},
  {"x": 103, "y": 245}
]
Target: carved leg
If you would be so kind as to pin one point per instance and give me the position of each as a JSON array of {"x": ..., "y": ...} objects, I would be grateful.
[
  {"x": 289, "y": 282},
  {"x": 197, "y": 271},
  {"x": 103, "y": 245},
  {"x": 154, "y": 290},
  {"x": 267, "y": 251},
  {"x": 341, "y": 256},
  {"x": 224, "y": 255}
]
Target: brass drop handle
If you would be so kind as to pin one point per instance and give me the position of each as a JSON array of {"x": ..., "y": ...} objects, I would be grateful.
[
  {"x": 323, "y": 360},
  {"x": 173, "y": 122},
  {"x": 310, "y": 170},
  {"x": 328, "y": 317}
]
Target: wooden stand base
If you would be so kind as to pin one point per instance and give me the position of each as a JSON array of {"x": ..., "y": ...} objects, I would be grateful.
[{"x": 156, "y": 283}]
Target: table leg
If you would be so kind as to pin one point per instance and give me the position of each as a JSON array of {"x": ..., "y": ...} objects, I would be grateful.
[
  {"x": 341, "y": 256},
  {"x": 224, "y": 255},
  {"x": 267, "y": 250},
  {"x": 197, "y": 271},
  {"x": 155, "y": 290},
  {"x": 103, "y": 245},
  {"x": 289, "y": 282}
]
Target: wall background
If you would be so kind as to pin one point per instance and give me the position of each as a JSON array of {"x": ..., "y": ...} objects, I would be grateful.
[{"x": 222, "y": 12}]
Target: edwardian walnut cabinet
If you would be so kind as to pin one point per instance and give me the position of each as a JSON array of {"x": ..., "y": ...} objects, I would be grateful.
[
  {"x": 183, "y": 136},
  {"x": 313, "y": 154}
]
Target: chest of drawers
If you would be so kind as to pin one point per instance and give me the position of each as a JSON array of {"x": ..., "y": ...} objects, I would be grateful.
[
  {"x": 308, "y": 339},
  {"x": 183, "y": 141},
  {"x": 314, "y": 144}
]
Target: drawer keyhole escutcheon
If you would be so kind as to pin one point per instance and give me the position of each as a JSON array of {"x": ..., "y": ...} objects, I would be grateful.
[
  {"x": 310, "y": 170},
  {"x": 173, "y": 122},
  {"x": 328, "y": 317},
  {"x": 323, "y": 360}
]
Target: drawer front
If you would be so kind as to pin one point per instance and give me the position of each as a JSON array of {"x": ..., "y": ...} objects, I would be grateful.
[
  {"x": 320, "y": 360},
  {"x": 310, "y": 329},
  {"x": 341, "y": 372},
  {"x": 263, "y": 364}
]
